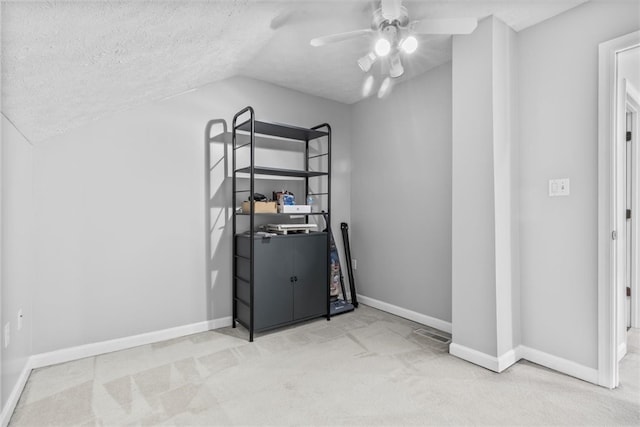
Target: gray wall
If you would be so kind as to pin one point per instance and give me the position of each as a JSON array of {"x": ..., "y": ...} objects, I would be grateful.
[
  {"x": 485, "y": 268},
  {"x": 558, "y": 91},
  {"x": 120, "y": 204},
  {"x": 401, "y": 195},
  {"x": 121, "y": 231},
  {"x": 474, "y": 227},
  {"x": 17, "y": 252}
]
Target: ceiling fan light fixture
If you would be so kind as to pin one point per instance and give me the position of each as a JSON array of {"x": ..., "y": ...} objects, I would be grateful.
[
  {"x": 367, "y": 86},
  {"x": 395, "y": 67},
  {"x": 409, "y": 45},
  {"x": 366, "y": 62},
  {"x": 382, "y": 47},
  {"x": 384, "y": 87}
]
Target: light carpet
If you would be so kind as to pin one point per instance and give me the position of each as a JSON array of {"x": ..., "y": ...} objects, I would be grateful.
[{"x": 363, "y": 368}]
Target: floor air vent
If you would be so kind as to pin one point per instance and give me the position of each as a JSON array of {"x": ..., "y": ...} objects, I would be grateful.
[{"x": 441, "y": 337}]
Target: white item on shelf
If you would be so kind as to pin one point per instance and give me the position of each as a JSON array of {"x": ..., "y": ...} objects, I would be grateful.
[
  {"x": 294, "y": 208},
  {"x": 286, "y": 228}
]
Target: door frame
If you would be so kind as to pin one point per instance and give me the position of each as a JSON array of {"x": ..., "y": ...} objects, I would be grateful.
[
  {"x": 609, "y": 215},
  {"x": 632, "y": 104}
]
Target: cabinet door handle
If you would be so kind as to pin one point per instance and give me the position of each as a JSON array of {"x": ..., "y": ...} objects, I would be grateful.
[
  {"x": 295, "y": 278},
  {"x": 291, "y": 279}
]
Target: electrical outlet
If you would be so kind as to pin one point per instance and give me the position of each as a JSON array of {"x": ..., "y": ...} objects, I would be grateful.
[
  {"x": 19, "y": 320},
  {"x": 7, "y": 334},
  {"x": 354, "y": 263}
]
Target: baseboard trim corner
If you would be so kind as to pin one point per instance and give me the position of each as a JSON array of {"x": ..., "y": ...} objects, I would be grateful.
[
  {"x": 499, "y": 364},
  {"x": 509, "y": 358},
  {"x": 474, "y": 356},
  {"x": 14, "y": 396},
  {"x": 88, "y": 350},
  {"x": 405, "y": 313},
  {"x": 493, "y": 363},
  {"x": 222, "y": 322}
]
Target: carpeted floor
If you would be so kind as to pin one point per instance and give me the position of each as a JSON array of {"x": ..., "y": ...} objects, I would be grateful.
[{"x": 362, "y": 368}]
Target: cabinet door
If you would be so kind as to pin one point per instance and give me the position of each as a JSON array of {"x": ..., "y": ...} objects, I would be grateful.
[
  {"x": 310, "y": 267},
  {"x": 273, "y": 298}
]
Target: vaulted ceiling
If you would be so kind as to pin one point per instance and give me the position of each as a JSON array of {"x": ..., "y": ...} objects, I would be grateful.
[{"x": 66, "y": 63}]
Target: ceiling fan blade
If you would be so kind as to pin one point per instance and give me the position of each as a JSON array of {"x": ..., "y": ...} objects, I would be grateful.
[
  {"x": 280, "y": 20},
  {"x": 333, "y": 38},
  {"x": 444, "y": 26},
  {"x": 390, "y": 9}
]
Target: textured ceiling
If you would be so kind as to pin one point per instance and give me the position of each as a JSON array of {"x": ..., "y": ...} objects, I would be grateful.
[{"x": 65, "y": 63}]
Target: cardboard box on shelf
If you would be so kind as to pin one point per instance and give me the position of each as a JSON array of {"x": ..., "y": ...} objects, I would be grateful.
[{"x": 260, "y": 207}]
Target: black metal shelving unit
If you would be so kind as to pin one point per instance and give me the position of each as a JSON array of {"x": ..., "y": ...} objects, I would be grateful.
[{"x": 244, "y": 299}]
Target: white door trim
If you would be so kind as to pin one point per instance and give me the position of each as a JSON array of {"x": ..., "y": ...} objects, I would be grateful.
[
  {"x": 633, "y": 105},
  {"x": 1, "y": 254},
  {"x": 608, "y": 215}
]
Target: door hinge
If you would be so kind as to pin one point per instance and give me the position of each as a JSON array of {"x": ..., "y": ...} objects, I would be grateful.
[
  {"x": 628, "y": 291},
  {"x": 628, "y": 136},
  {"x": 614, "y": 235},
  {"x": 628, "y": 213}
]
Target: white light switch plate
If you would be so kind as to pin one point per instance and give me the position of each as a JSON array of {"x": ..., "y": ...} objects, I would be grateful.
[{"x": 559, "y": 187}]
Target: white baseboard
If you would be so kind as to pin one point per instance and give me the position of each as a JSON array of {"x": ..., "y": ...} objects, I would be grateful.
[
  {"x": 14, "y": 396},
  {"x": 407, "y": 314},
  {"x": 94, "y": 349},
  {"x": 479, "y": 358},
  {"x": 509, "y": 358},
  {"x": 499, "y": 364},
  {"x": 559, "y": 364},
  {"x": 222, "y": 322}
]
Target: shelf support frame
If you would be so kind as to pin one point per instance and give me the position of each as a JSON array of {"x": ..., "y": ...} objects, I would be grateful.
[{"x": 251, "y": 126}]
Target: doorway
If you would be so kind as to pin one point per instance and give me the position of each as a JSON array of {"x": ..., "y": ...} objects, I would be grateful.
[
  {"x": 617, "y": 247},
  {"x": 627, "y": 108},
  {"x": 630, "y": 59},
  {"x": 627, "y": 114}
]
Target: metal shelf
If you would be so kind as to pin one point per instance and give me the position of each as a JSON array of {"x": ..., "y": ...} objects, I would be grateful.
[
  {"x": 281, "y": 213},
  {"x": 243, "y": 308},
  {"x": 281, "y": 172},
  {"x": 281, "y": 130}
]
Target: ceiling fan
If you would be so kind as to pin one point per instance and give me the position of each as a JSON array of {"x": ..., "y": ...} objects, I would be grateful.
[{"x": 395, "y": 35}]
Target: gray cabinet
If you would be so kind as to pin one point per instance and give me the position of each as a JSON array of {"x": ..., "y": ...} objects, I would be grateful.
[{"x": 290, "y": 279}]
